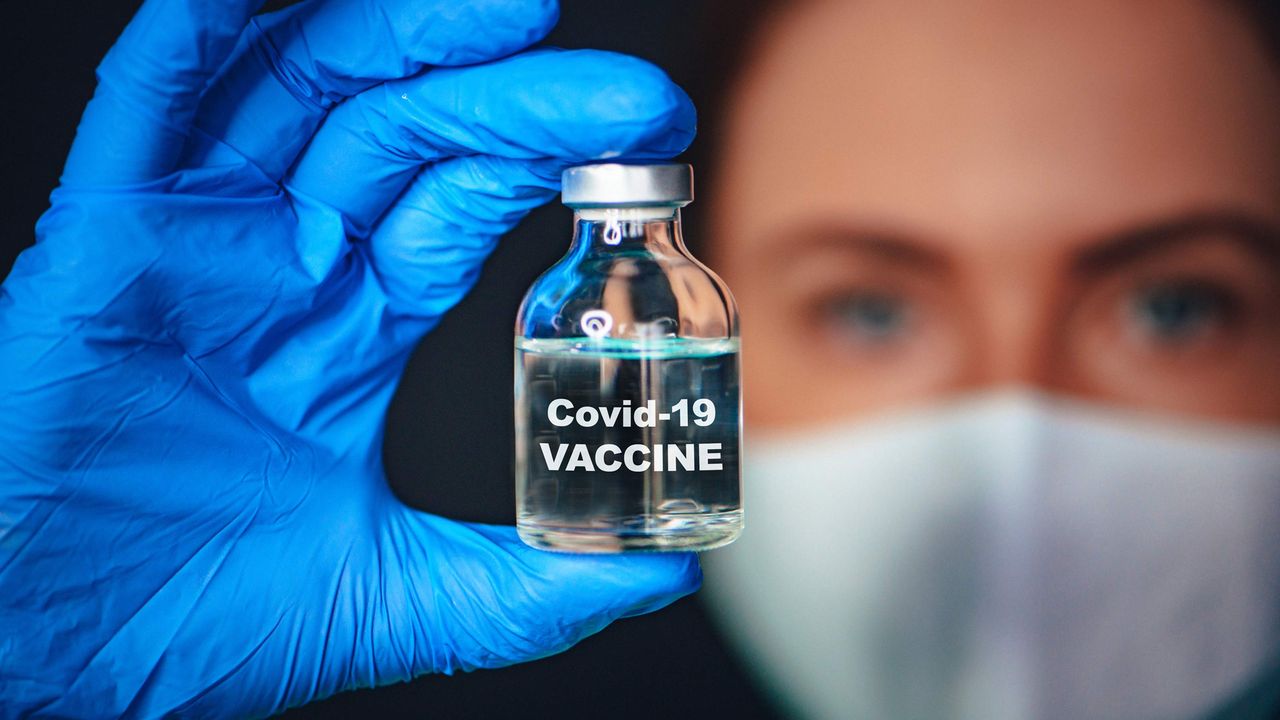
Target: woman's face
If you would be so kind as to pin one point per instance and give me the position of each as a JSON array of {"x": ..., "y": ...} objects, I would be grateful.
[{"x": 921, "y": 198}]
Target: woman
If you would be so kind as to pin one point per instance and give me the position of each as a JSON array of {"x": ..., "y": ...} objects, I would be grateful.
[{"x": 1010, "y": 278}]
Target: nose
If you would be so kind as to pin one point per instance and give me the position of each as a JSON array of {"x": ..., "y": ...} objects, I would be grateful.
[{"x": 1013, "y": 340}]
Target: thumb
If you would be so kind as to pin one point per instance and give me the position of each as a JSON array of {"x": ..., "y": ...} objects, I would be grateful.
[{"x": 484, "y": 599}]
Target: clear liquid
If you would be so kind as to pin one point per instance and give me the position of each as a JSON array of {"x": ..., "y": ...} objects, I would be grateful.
[{"x": 673, "y": 481}]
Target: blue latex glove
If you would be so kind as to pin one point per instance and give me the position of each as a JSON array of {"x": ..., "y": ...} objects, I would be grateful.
[{"x": 196, "y": 357}]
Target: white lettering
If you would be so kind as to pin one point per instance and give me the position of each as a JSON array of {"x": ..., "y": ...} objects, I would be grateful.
[
  {"x": 587, "y": 416},
  {"x": 608, "y": 465},
  {"x": 633, "y": 464},
  {"x": 709, "y": 456},
  {"x": 683, "y": 457},
  {"x": 551, "y": 412},
  {"x": 647, "y": 414},
  {"x": 579, "y": 459},
  {"x": 553, "y": 463},
  {"x": 666, "y": 457}
]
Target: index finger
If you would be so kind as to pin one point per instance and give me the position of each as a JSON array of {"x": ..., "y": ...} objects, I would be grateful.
[
  {"x": 292, "y": 66},
  {"x": 149, "y": 86},
  {"x": 572, "y": 105}
]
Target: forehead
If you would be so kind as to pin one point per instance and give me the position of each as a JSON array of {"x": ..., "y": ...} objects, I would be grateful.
[{"x": 1009, "y": 114}]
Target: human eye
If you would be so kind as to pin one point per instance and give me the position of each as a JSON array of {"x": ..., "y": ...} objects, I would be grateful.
[
  {"x": 1180, "y": 311},
  {"x": 868, "y": 316}
]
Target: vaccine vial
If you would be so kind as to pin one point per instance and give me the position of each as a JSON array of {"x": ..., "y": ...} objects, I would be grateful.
[{"x": 627, "y": 400}]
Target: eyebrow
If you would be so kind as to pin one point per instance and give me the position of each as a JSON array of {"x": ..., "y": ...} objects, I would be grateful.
[
  {"x": 887, "y": 245},
  {"x": 1140, "y": 241}
]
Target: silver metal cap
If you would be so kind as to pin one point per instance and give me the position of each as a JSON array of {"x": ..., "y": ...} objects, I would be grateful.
[{"x": 623, "y": 185}]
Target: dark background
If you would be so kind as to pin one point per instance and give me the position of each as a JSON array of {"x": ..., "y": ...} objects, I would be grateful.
[{"x": 457, "y": 463}]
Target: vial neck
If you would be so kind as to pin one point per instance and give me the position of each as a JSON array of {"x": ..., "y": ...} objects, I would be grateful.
[{"x": 607, "y": 229}]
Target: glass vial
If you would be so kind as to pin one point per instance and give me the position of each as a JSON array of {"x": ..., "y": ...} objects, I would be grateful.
[{"x": 627, "y": 400}]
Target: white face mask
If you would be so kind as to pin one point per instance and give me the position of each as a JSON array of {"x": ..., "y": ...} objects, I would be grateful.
[{"x": 1007, "y": 556}]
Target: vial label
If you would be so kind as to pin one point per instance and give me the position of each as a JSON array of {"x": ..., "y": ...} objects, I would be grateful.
[{"x": 622, "y": 444}]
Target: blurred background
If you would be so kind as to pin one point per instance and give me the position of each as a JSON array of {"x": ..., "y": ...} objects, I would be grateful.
[{"x": 457, "y": 465}]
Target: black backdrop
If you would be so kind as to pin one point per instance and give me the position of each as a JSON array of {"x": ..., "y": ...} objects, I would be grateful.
[{"x": 670, "y": 664}]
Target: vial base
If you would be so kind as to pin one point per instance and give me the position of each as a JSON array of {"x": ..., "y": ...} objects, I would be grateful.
[{"x": 705, "y": 531}]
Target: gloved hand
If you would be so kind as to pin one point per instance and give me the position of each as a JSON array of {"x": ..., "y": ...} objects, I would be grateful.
[{"x": 196, "y": 356}]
